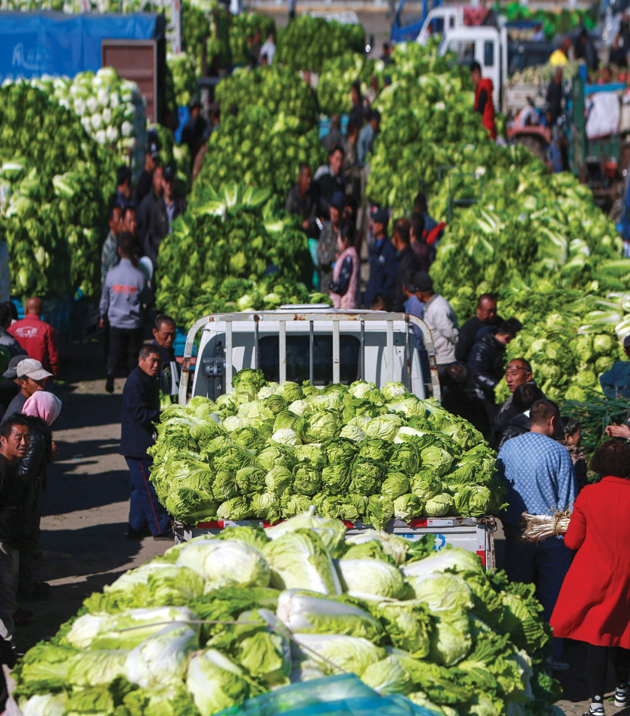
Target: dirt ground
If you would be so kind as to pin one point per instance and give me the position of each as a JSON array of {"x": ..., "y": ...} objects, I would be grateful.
[{"x": 86, "y": 506}]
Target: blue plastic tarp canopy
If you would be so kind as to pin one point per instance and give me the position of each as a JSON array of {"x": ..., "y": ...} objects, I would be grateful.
[{"x": 37, "y": 43}]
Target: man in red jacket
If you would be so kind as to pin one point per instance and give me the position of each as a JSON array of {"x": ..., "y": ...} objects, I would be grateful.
[
  {"x": 37, "y": 337},
  {"x": 483, "y": 98}
]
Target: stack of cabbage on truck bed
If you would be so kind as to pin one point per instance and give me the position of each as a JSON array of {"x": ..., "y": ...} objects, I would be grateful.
[{"x": 356, "y": 453}]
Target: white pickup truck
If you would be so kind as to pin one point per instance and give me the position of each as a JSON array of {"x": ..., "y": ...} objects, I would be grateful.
[{"x": 317, "y": 343}]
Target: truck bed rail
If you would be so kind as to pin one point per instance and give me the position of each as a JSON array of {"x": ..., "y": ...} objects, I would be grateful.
[{"x": 291, "y": 316}]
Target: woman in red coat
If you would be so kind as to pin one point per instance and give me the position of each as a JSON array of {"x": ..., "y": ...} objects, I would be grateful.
[{"x": 594, "y": 602}]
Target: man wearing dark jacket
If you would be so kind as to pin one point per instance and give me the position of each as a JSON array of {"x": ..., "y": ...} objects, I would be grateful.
[
  {"x": 523, "y": 399},
  {"x": 485, "y": 316},
  {"x": 146, "y": 206},
  {"x": 141, "y": 409},
  {"x": 302, "y": 200},
  {"x": 329, "y": 180},
  {"x": 616, "y": 381},
  {"x": 165, "y": 211},
  {"x": 151, "y": 161},
  {"x": 486, "y": 363},
  {"x": 163, "y": 338},
  {"x": 382, "y": 260},
  {"x": 407, "y": 263},
  {"x": 14, "y": 442}
]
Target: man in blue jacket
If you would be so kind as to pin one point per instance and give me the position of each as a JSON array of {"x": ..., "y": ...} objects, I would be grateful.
[
  {"x": 141, "y": 410},
  {"x": 382, "y": 260},
  {"x": 616, "y": 381}
]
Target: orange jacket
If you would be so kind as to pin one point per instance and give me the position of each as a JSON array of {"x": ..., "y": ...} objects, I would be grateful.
[{"x": 487, "y": 116}]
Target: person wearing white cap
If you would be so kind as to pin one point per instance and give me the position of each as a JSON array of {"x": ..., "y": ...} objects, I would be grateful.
[{"x": 31, "y": 377}]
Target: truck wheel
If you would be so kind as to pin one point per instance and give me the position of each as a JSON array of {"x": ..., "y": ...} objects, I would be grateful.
[{"x": 534, "y": 145}]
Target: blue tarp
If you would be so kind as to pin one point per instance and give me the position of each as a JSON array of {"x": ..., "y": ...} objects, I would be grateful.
[{"x": 53, "y": 43}]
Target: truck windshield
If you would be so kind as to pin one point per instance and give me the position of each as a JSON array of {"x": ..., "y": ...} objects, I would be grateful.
[{"x": 298, "y": 356}]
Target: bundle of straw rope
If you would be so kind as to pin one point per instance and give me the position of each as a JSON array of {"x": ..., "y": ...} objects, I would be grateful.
[{"x": 537, "y": 528}]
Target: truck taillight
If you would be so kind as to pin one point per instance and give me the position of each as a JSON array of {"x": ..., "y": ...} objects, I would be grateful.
[{"x": 481, "y": 553}]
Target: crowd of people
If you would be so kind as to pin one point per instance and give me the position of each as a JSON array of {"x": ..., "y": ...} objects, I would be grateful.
[{"x": 29, "y": 358}]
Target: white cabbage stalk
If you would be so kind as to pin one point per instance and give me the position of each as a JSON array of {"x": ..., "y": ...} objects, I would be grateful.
[
  {"x": 102, "y": 97},
  {"x": 45, "y": 705},
  {"x": 107, "y": 115},
  {"x": 79, "y": 107},
  {"x": 162, "y": 659},
  {"x": 114, "y": 100},
  {"x": 112, "y": 134},
  {"x": 97, "y": 121},
  {"x": 87, "y": 124},
  {"x": 92, "y": 104},
  {"x": 101, "y": 137},
  {"x": 125, "y": 129}
]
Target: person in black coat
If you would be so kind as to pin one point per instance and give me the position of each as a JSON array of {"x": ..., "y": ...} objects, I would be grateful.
[
  {"x": 524, "y": 397},
  {"x": 408, "y": 263},
  {"x": 141, "y": 410},
  {"x": 303, "y": 200},
  {"x": 164, "y": 212},
  {"x": 486, "y": 315},
  {"x": 486, "y": 363},
  {"x": 458, "y": 402},
  {"x": 382, "y": 260},
  {"x": 32, "y": 473}
]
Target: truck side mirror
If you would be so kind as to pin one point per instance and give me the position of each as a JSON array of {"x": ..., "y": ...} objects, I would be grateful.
[{"x": 370, "y": 44}]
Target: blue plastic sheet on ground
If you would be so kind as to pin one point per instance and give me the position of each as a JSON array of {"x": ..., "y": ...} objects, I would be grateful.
[
  {"x": 54, "y": 43},
  {"x": 344, "y": 695}
]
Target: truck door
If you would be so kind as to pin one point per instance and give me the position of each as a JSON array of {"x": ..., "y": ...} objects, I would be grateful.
[
  {"x": 439, "y": 21},
  {"x": 481, "y": 44}
]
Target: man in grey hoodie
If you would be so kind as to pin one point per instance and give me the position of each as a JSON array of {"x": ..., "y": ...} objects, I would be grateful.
[{"x": 124, "y": 296}]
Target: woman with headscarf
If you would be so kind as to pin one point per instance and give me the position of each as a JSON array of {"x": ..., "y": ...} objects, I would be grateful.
[{"x": 39, "y": 411}]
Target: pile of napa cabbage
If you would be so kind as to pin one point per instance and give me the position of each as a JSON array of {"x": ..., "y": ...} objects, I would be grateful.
[
  {"x": 307, "y": 604},
  {"x": 356, "y": 453}
]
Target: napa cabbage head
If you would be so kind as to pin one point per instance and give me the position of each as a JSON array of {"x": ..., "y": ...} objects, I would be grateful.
[
  {"x": 215, "y": 560},
  {"x": 45, "y": 705},
  {"x": 331, "y": 532},
  {"x": 306, "y": 613},
  {"x": 370, "y": 579},
  {"x": 162, "y": 659},
  {"x": 450, "y": 640},
  {"x": 215, "y": 682},
  {"x": 96, "y": 667},
  {"x": 154, "y": 584},
  {"x": 299, "y": 560},
  {"x": 105, "y": 631},
  {"x": 388, "y": 676},
  {"x": 443, "y": 593},
  {"x": 349, "y": 653}
]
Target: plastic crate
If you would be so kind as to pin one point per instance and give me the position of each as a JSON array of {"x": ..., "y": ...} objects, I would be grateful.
[{"x": 179, "y": 344}]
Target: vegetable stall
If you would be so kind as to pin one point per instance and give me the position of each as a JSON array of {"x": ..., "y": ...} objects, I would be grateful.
[{"x": 188, "y": 634}]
